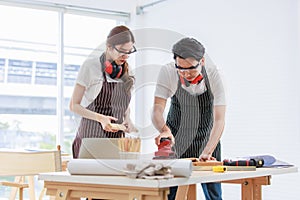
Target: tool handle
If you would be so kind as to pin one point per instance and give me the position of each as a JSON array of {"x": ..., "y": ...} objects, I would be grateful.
[
  {"x": 238, "y": 162},
  {"x": 165, "y": 139},
  {"x": 164, "y": 142}
]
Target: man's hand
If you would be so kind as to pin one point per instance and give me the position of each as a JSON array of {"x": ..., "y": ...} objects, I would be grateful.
[
  {"x": 166, "y": 133},
  {"x": 206, "y": 157}
]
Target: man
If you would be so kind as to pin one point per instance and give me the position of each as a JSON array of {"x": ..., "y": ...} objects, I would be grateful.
[{"x": 196, "y": 117}]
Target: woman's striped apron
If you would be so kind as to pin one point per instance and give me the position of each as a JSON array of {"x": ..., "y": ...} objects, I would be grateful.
[
  {"x": 190, "y": 119},
  {"x": 112, "y": 100}
]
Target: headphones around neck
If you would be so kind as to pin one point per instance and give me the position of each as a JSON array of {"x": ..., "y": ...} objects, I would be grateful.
[
  {"x": 187, "y": 83},
  {"x": 111, "y": 68}
]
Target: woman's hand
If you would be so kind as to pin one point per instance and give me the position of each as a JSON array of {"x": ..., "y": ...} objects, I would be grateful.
[
  {"x": 105, "y": 122},
  {"x": 130, "y": 128}
]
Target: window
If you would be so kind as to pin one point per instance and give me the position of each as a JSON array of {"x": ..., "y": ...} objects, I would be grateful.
[
  {"x": 29, "y": 74},
  {"x": 93, "y": 33},
  {"x": 2, "y": 72},
  {"x": 27, "y": 98}
]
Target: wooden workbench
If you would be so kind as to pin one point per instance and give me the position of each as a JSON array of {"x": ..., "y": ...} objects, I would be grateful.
[{"x": 63, "y": 186}]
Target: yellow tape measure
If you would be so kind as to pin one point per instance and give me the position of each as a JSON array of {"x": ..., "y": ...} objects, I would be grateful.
[{"x": 219, "y": 168}]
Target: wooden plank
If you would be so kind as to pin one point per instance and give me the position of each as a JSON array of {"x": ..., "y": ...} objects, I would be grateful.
[
  {"x": 77, "y": 190},
  {"x": 262, "y": 180}
]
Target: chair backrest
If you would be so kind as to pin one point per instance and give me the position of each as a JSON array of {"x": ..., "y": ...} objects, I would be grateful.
[{"x": 21, "y": 163}]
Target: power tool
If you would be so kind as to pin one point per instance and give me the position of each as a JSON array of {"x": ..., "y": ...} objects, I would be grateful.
[
  {"x": 257, "y": 162},
  {"x": 164, "y": 150}
]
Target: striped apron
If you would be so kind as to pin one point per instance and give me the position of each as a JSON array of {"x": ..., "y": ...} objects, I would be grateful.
[
  {"x": 113, "y": 100},
  {"x": 190, "y": 119}
]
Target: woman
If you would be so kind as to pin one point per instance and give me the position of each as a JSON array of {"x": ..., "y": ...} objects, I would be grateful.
[{"x": 103, "y": 90}]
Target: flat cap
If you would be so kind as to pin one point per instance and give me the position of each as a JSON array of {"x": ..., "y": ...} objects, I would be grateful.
[{"x": 188, "y": 47}]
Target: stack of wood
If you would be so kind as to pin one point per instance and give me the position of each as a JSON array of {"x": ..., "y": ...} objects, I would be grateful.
[{"x": 129, "y": 144}]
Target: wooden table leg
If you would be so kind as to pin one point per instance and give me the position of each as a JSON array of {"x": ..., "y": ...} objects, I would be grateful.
[
  {"x": 251, "y": 187},
  {"x": 192, "y": 192},
  {"x": 247, "y": 190},
  {"x": 181, "y": 193},
  {"x": 20, "y": 193},
  {"x": 188, "y": 192}
]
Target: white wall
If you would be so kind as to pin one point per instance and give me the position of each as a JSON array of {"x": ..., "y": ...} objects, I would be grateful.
[{"x": 256, "y": 44}]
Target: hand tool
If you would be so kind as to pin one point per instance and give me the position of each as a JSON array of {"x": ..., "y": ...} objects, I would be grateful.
[{"x": 219, "y": 168}]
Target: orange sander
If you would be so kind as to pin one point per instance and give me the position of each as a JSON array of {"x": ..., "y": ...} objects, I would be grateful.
[{"x": 164, "y": 150}]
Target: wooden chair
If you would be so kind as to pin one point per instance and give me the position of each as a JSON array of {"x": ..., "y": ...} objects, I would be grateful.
[{"x": 22, "y": 164}]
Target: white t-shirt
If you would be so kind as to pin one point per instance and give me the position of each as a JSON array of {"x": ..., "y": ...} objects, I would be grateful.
[
  {"x": 90, "y": 76},
  {"x": 167, "y": 82}
]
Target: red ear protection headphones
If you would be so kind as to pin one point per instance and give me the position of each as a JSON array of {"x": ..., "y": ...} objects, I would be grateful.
[
  {"x": 111, "y": 68},
  {"x": 187, "y": 83},
  {"x": 114, "y": 70}
]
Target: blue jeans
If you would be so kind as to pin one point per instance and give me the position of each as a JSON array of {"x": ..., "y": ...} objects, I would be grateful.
[{"x": 212, "y": 191}]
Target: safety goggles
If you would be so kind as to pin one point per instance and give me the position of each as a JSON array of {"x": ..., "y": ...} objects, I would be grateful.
[
  {"x": 189, "y": 68},
  {"x": 125, "y": 52}
]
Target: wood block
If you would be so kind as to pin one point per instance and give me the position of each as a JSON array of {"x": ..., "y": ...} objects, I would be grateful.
[
  {"x": 207, "y": 163},
  {"x": 119, "y": 127},
  {"x": 196, "y": 162},
  {"x": 204, "y": 165}
]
